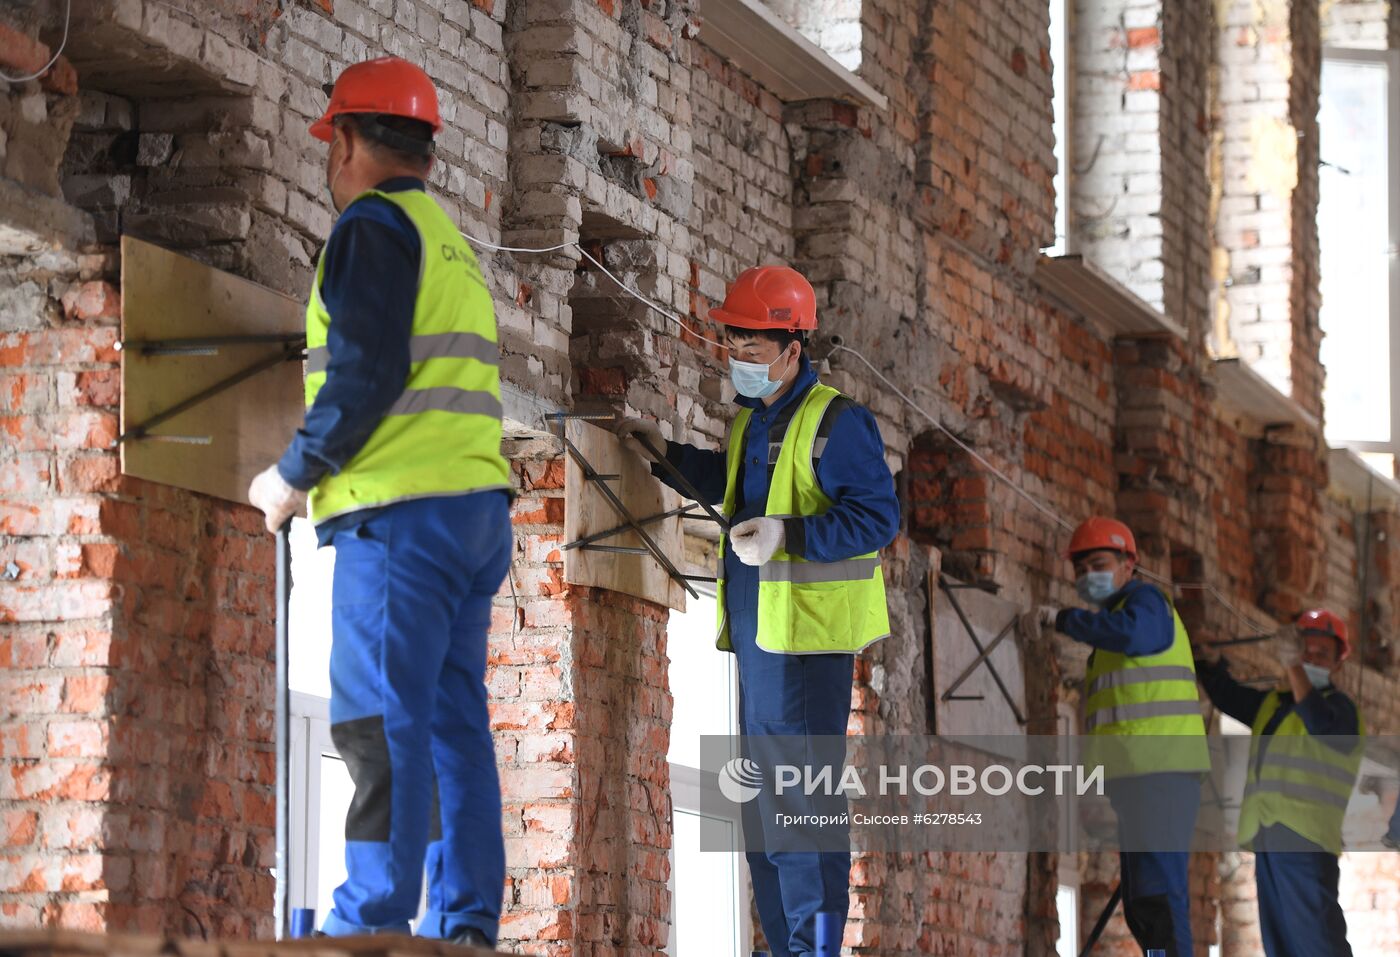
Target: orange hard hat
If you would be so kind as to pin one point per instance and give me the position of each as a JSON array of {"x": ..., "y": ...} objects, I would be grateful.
[
  {"x": 769, "y": 297},
  {"x": 1094, "y": 534},
  {"x": 1320, "y": 621},
  {"x": 387, "y": 85}
]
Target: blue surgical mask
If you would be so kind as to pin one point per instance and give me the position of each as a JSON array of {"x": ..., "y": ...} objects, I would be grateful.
[
  {"x": 1095, "y": 587},
  {"x": 751, "y": 378},
  {"x": 1319, "y": 676}
]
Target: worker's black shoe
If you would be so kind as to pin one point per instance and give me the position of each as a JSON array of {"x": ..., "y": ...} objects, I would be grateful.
[
  {"x": 471, "y": 937},
  {"x": 1391, "y": 841}
]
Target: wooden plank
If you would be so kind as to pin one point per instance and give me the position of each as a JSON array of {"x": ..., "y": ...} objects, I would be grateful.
[
  {"x": 953, "y": 651},
  {"x": 167, "y": 296},
  {"x": 586, "y": 510}
]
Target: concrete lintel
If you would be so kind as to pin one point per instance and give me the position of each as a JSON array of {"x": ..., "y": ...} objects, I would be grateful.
[
  {"x": 1085, "y": 287},
  {"x": 1352, "y": 481},
  {"x": 794, "y": 68},
  {"x": 1248, "y": 394}
]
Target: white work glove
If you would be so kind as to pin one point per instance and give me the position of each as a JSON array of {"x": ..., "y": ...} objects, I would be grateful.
[
  {"x": 1290, "y": 645},
  {"x": 755, "y": 541},
  {"x": 277, "y": 500},
  {"x": 629, "y": 429},
  {"x": 1047, "y": 614}
]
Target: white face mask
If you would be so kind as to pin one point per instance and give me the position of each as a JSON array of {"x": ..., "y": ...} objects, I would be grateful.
[
  {"x": 1319, "y": 676},
  {"x": 751, "y": 378}
]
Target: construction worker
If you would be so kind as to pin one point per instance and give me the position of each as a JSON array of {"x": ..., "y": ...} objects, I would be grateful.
[
  {"x": 1304, "y": 756},
  {"x": 1143, "y": 717},
  {"x": 811, "y": 502},
  {"x": 400, "y": 456}
]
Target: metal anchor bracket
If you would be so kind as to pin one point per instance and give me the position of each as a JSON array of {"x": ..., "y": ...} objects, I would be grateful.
[
  {"x": 293, "y": 347},
  {"x": 630, "y": 521},
  {"x": 950, "y": 589}
]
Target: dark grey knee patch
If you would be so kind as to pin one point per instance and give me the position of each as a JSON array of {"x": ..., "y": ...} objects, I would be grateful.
[{"x": 365, "y": 751}]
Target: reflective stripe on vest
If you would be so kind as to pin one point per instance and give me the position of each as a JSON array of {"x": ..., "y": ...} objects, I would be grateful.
[
  {"x": 1151, "y": 700},
  {"x": 421, "y": 348},
  {"x": 1301, "y": 782},
  {"x": 1117, "y": 679},
  {"x": 1136, "y": 712},
  {"x": 442, "y": 435},
  {"x": 799, "y": 611}
]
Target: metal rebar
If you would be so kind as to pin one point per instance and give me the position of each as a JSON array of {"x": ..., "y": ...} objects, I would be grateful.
[
  {"x": 617, "y": 549},
  {"x": 623, "y": 513},
  {"x": 1227, "y": 642},
  {"x": 223, "y": 385},
  {"x": 684, "y": 483},
  {"x": 618, "y": 529},
  {"x": 205, "y": 345}
]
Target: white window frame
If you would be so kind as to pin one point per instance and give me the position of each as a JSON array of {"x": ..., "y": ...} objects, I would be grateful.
[
  {"x": 1390, "y": 59},
  {"x": 1067, "y": 873},
  {"x": 310, "y": 740},
  {"x": 692, "y": 789},
  {"x": 1062, "y": 107}
]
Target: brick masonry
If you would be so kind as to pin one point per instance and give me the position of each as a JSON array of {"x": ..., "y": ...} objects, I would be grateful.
[{"x": 611, "y": 123}]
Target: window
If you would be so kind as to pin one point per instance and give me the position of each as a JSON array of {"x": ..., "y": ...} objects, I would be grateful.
[
  {"x": 1359, "y": 229},
  {"x": 1067, "y": 909},
  {"x": 1059, "y": 59},
  {"x": 709, "y": 889},
  {"x": 320, "y": 783}
]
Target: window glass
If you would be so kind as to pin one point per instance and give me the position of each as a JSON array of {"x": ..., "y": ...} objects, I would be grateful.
[
  {"x": 704, "y": 894},
  {"x": 1067, "y": 909},
  {"x": 336, "y": 791},
  {"x": 309, "y": 623},
  {"x": 702, "y": 681},
  {"x": 1353, "y": 221}
]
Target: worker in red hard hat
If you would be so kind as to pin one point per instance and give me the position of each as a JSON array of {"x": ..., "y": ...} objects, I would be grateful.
[
  {"x": 400, "y": 457},
  {"x": 1305, "y": 754},
  {"x": 1142, "y": 714},
  {"x": 804, "y": 482}
]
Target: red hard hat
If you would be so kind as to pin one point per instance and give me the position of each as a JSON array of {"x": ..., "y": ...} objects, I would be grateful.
[
  {"x": 386, "y": 85},
  {"x": 1098, "y": 533},
  {"x": 1320, "y": 621},
  {"x": 769, "y": 297}
]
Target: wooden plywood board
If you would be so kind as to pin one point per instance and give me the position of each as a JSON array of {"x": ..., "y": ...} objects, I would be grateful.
[
  {"x": 168, "y": 296},
  {"x": 586, "y": 510},
  {"x": 953, "y": 651}
]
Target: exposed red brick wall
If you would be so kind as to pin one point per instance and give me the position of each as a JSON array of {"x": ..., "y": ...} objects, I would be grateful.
[
  {"x": 138, "y": 647},
  {"x": 581, "y": 714}
]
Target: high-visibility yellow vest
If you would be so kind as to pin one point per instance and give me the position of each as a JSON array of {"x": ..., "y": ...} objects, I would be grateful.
[
  {"x": 805, "y": 607},
  {"x": 1143, "y": 712},
  {"x": 1301, "y": 782},
  {"x": 443, "y": 434}
]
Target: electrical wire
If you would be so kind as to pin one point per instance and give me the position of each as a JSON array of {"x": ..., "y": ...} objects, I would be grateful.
[
  {"x": 1040, "y": 506},
  {"x": 659, "y": 310},
  {"x": 67, "y": 16},
  {"x": 1010, "y": 483}
]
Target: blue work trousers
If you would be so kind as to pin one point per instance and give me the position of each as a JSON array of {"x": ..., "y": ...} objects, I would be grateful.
[
  {"x": 789, "y": 695},
  {"x": 1158, "y": 812},
  {"x": 1299, "y": 913},
  {"x": 411, "y": 609}
]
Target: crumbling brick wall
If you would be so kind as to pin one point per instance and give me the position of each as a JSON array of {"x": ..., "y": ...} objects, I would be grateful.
[{"x": 610, "y": 123}]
